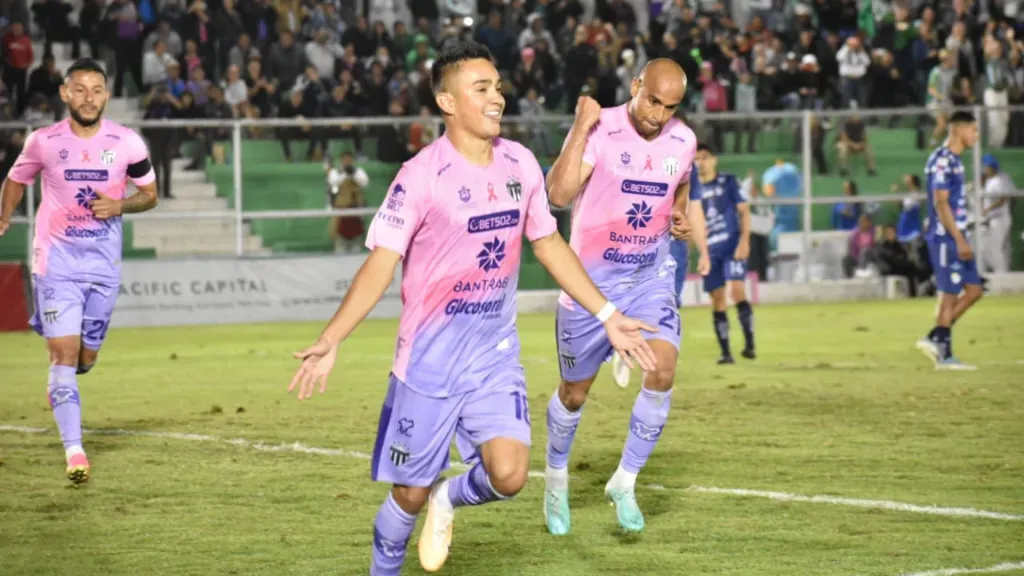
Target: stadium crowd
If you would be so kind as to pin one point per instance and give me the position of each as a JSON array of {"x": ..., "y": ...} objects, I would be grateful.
[{"x": 263, "y": 58}]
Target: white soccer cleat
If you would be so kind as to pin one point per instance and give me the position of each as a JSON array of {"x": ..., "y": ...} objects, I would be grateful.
[
  {"x": 953, "y": 364},
  {"x": 929, "y": 349},
  {"x": 620, "y": 371},
  {"x": 556, "y": 501},
  {"x": 436, "y": 536}
]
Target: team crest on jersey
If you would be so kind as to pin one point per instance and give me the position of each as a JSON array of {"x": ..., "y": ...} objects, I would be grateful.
[
  {"x": 64, "y": 154},
  {"x": 464, "y": 194},
  {"x": 625, "y": 158},
  {"x": 107, "y": 157},
  {"x": 671, "y": 165},
  {"x": 515, "y": 189},
  {"x": 399, "y": 454}
]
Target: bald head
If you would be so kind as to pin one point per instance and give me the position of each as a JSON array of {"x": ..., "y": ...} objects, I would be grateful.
[
  {"x": 665, "y": 75},
  {"x": 657, "y": 92}
]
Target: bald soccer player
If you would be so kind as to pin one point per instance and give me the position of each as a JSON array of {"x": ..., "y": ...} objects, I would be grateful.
[{"x": 627, "y": 172}]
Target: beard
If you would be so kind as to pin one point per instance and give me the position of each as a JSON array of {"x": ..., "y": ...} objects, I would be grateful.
[{"x": 85, "y": 122}]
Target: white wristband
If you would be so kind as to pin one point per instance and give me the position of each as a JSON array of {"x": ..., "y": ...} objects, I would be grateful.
[{"x": 606, "y": 312}]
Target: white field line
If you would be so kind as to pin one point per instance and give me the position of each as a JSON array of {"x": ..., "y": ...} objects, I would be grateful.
[
  {"x": 1004, "y": 567},
  {"x": 298, "y": 447}
]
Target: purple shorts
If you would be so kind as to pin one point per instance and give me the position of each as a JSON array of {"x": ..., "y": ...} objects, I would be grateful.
[
  {"x": 583, "y": 344},
  {"x": 415, "y": 432},
  {"x": 72, "y": 308}
]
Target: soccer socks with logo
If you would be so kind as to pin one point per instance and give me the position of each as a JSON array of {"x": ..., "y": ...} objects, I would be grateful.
[
  {"x": 650, "y": 412},
  {"x": 944, "y": 340},
  {"x": 472, "y": 488},
  {"x": 64, "y": 401},
  {"x": 562, "y": 426},
  {"x": 391, "y": 531},
  {"x": 722, "y": 331},
  {"x": 746, "y": 315}
]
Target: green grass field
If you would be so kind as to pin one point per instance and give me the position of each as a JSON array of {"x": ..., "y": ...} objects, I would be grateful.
[{"x": 839, "y": 403}]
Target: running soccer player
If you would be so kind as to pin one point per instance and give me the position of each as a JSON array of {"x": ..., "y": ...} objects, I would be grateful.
[
  {"x": 728, "y": 222},
  {"x": 679, "y": 263},
  {"x": 956, "y": 271},
  {"x": 628, "y": 170},
  {"x": 455, "y": 216},
  {"x": 85, "y": 163}
]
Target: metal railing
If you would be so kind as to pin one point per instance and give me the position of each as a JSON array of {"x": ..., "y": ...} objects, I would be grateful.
[{"x": 800, "y": 124}]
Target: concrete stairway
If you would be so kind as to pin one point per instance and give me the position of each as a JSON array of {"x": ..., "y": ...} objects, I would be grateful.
[{"x": 190, "y": 236}]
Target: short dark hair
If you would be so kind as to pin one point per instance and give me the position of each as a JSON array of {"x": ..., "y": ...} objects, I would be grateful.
[
  {"x": 915, "y": 180},
  {"x": 702, "y": 147},
  {"x": 962, "y": 117},
  {"x": 451, "y": 56},
  {"x": 85, "y": 65}
]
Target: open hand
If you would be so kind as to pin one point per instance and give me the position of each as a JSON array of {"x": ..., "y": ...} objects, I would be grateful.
[
  {"x": 626, "y": 337},
  {"x": 317, "y": 362}
]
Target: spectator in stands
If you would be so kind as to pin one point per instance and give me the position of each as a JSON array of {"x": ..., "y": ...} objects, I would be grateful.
[
  {"x": 360, "y": 37},
  {"x": 37, "y": 110},
  {"x": 242, "y": 52},
  {"x": 286, "y": 62},
  {"x": 171, "y": 39},
  {"x": 154, "y": 66},
  {"x": 216, "y": 108},
  {"x": 846, "y": 215},
  {"x": 90, "y": 22},
  {"x": 229, "y": 27},
  {"x": 261, "y": 21},
  {"x": 198, "y": 85},
  {"x": 159, "y": 106},
  {"x": 535, "y": 31},
  {"x": 261, "y": 91},
  {"x": 853, "y": 141},
  {"x": 892, "y": 259},
  {"x": 531, "y": 108},
  {"x": 18, "y": 56},
  {"x": 323, "y": 52},
  {"x": 293, "y": 109},
  {"x": 746, "y": 103},
  {"x": 860, "y": 249},
  {"x": 346, "y": 183},
  {"x": 198, "y": 27},
  {"x": 52, "y": 17},
  {"x": 996, "y": 216},
  {"x": 1016, "y": 92},
  {"x": 47, "y": 80},
  {"x": 191, "y": 59},
  {"x": 888, "y": 88},
  {"x": 580, "y": 64},
  {"x": 422, "y": 132},
  {"x": 908, "y": 227},
  {"x": 175, "y": 84},
  {"x": 127, "y": 53},
  {"x": 392, "y": 142},
  {"x": 236, "y": 93},
  {"x": 853, "y": 67},
  {"x": 342, "y": 104},
  {"x": 996, "y": 95},
  {"x": 941, "y": 81}
]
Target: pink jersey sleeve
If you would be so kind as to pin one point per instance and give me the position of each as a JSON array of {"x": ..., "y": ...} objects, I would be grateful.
[
  {"x": 540, "y": 222},
  {"x": 140, "y": 170},
  {"x": 28, "y": 163},
  {"x": 590, "y": 150},
  {"x": 401, "y": 214}
]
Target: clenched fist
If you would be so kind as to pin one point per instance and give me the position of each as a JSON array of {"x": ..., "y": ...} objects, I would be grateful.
[{"x": 588, "y": 112}]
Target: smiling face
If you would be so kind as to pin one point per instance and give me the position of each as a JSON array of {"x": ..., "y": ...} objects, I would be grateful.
[{"x": 471, "y": 99}]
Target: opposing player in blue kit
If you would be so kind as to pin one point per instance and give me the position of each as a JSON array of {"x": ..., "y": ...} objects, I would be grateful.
[{"x": 727, "y": 211}]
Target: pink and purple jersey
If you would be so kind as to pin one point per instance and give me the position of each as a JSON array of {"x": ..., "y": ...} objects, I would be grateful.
[
  {"x": 621, "y": 218},
  {"x": 69, "y": 243},
  {"x": 459, "y": 228}
]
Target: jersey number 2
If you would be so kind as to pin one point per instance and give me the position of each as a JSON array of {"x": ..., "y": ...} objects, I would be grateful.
[
  {"x": 671, "y": 319},
  {"x": 97, "y": 329}
]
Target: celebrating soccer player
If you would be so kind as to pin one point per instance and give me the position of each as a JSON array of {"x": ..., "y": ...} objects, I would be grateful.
[
  {"x": 628, "y": 170},
  {"x": 728, "y": 221},
  {"x": 76, "y": 265},
  {"x": 678, "y": 262},
  {"x": 455, "y": 216},
  {"x": 956, "y": 271}
]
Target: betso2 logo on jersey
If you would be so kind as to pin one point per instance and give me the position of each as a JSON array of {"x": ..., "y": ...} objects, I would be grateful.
[
  {"x": 641, "y": 188},
  {"x": 86, "y": 175}
]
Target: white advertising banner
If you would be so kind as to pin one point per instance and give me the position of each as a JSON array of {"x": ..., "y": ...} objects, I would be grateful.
[{"x": 224, "y": 291}]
